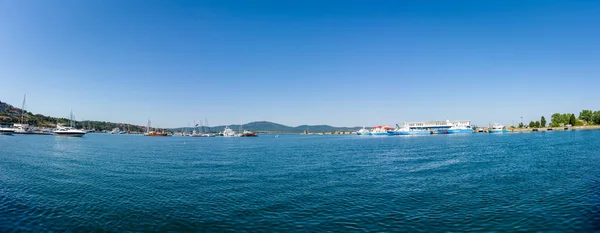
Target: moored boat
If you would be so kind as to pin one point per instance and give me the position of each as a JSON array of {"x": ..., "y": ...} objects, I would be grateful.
[
  {"x": 228, "y": 132},
  {"x": 380, "y": 130},
  {"x": 497, "y": 128},
  {"x": 151, "y": 133},
  {"x": 425, "y": 127},
  {"x": 247, "y": 133},
  {"x": 457, "y": 127},
  {"x": 363, "y": 132},
  {"x": 6, "y": 131}
]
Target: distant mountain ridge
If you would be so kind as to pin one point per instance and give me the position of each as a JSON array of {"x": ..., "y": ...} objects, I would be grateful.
[{"x": 271, "y": 127}]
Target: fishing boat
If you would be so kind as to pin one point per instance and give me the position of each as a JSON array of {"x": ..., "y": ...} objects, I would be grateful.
[
  {"x": 151, "y": 133},
  {"x": 6, "y": 131},
  {"x": 497, "y": 128},
  {"x": 363, "y": 131},
  {"x": 68, "y": 131},
  {"x": 247, "y": 133},
  {"x": 457, "y": 127}
]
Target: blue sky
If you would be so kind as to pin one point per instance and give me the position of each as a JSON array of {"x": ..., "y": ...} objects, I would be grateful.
[{"x": 343, "y": 63}]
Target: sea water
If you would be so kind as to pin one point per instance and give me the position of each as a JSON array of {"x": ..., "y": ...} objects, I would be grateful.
[{"x": 480, "y": 182}]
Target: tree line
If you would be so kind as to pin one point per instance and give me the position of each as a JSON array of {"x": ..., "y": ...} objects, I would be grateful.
[{"x": 586, "y": 117}]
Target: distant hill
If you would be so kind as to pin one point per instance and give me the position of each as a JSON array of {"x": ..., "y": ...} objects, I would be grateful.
[
  {"x": 10, "y": 114},
  {"x": 270, "y": 127}
]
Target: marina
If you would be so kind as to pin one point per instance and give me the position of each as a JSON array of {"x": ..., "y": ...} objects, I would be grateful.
[{"x": 162, "y": 182}]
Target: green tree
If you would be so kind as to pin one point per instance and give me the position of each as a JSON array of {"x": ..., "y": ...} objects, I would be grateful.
[
  {"x": 531, "y": 124},
  {"x": 521, "y": 125},
  {"x": 537, "y": 124},
  {"x": 586, "y": 115},
  {"x": 596, "y": 117},
  {"x": 573, "y": 120},
  {"x": 557, "y": 119},
  {"x": 543, "y": 121}
]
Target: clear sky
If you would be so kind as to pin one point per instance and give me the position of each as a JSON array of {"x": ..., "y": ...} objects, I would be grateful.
[{"x": 343, "y": 63}]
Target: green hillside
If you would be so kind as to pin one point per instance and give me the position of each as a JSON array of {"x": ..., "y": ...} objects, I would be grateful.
[{"x": 10, "y": 115}]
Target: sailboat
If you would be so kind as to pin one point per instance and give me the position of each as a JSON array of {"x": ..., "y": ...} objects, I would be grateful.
[
  {"x": 22, "y": 128},
  {"x": 207, "y": 132}
]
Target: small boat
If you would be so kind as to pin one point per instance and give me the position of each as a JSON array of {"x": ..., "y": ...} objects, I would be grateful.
[
  {"x": 68, "y": 131},
  {"x": 247, "y": 133},
  {"x": 497, "y": 128},
  {"x": 6, "y": 131}
]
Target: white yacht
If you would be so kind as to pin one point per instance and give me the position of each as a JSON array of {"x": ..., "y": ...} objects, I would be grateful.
[
  {"x": 115, "y": 131},
  {"x": 228, "y": 132},
  {"x": 498, "y": 128},
  {"x": 6, "y": 131},
  {"x": 363, "y": 131},
  {"x": 68, "y": 131}
]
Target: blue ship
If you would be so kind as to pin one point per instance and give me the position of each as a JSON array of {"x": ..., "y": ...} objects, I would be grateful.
[{"x": 457, "y": 127}]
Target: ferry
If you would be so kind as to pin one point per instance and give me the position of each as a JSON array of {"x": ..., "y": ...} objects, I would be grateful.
[
  {"x": 425, "y": 127},
  {"x": 497, "y": 128},
  {"x": 457, "y": 127}
]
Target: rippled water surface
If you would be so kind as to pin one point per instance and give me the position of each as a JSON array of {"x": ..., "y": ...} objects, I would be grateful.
[{"x": 480, "y": 182}]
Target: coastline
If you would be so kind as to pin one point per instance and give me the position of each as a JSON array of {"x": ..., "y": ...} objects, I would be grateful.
[{"x": 545, "y": 129}]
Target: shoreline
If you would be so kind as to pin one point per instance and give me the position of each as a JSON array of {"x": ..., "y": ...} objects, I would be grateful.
[{"x": 546, "y": 129}]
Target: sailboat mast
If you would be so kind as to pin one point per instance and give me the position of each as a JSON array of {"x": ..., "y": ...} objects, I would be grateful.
[
  {"x": 23, "y": 108},
  {"x": 71, "y": 119},
  {"x": 207, "y": 126}
]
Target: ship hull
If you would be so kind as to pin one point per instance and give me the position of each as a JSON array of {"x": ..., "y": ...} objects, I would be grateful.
[
  {"x": 454, "y": 131},
  {"x": 415, "y": 132},
  {"x": 76, "y": 135},
  {"x": 498, "y": 131}
]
